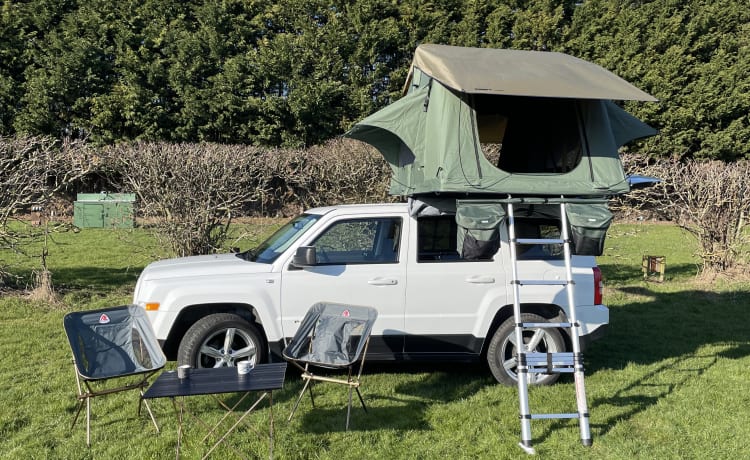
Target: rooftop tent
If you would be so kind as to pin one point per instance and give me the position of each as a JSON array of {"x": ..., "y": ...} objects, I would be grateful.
[{"x": 479, "y": 120}]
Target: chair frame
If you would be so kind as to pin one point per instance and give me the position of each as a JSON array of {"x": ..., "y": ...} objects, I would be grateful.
[
  {"x": 86, "y": 390},
  {"x": 353, "y": 381},
  {"x": 84, "y": 397}
]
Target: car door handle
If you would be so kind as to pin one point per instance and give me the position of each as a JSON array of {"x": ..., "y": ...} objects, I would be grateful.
[
  {"x": 382, "y": 282},
  {"x": 481, "y": 279}
]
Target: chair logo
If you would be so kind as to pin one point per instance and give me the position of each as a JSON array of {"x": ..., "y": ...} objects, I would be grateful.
[
  {"x": 346, "y": 314},
  {"x": 104, "y": 319}
]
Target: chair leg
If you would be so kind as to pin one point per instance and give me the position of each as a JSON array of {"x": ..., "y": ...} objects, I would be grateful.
[
  {"x": 301, "y": 394},
  {"x": 361, "y": 400},
  {"x": 148, "y": 408},
  {"x": 80, "y": 393},
  {"x": 88, "y": 422},
  {"x": 78, "y": 412},
  {"x": 349, "y": 407}
]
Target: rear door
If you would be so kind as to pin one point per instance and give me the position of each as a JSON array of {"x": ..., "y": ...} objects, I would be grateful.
[{"x": 447, "y": 297}]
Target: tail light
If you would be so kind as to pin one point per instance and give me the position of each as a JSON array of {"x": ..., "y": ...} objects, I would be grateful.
[{"x": 598, "y": 285}]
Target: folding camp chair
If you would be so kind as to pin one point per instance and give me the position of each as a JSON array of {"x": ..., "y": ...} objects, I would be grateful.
[
  {"x": 112, "y": 343},
  {"x": 332, "y": 336}
]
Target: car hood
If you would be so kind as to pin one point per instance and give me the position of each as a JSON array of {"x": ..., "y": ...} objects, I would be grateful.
[{"x": 197, "y": 266}]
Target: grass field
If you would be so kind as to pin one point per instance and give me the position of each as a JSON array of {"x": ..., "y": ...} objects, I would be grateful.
[{"x": 669, "y": 381}]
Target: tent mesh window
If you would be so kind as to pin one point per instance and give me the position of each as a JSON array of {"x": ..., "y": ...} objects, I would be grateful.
[{"x": 529, "y": 135}]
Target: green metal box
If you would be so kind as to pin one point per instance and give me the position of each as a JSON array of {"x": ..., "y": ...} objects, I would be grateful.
[{"x": 104, "y": 210}]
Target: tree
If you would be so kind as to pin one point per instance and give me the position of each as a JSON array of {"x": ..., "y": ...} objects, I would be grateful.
[
  {"x": 300, "y": 72},
  {"x": 707, "y": 199},
  {"x": 694, "y": 56},
  {"x": 192, "y": 191},
  {"x": 32, "y": 170},
  {"x": 540, "y": 26}
]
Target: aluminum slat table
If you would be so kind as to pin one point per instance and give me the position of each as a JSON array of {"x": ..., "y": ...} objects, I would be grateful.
[{"x": 264, "y": 378}]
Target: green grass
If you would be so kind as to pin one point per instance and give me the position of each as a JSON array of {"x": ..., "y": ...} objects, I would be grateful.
[{"x": 669, "y": 381}]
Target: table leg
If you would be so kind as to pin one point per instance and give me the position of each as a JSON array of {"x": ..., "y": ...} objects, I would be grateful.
[
  {"x": 270, "y": 424},
  {"x": 206, "y": 426},
  {"x": 179, "y": 413},
  {"x": 229, "y": 411},
  {"x": 247, "y": 412}
]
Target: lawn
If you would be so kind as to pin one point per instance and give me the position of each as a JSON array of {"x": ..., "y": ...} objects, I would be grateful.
[{"x": 669, "y": 381}]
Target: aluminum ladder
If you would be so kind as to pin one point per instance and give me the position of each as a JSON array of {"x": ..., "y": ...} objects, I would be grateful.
[{"x": 546, "y": 363}]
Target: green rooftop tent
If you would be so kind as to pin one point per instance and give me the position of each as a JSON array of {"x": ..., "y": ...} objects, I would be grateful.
[{"x": 492, "y": 121}]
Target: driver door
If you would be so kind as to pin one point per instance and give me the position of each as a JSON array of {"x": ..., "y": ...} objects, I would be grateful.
[{"x": 360, "y": 261}]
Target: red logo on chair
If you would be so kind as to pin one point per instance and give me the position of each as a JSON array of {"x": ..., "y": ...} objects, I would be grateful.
[
  {"x": 104, "y": 319},
  {"x": 345, "y": 314}
]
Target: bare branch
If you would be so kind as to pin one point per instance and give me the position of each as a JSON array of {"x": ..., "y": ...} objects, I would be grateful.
[{"x": 708, "y": 199}]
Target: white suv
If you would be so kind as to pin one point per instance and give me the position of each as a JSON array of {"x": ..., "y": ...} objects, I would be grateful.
[{"x": 433, "y": 305}]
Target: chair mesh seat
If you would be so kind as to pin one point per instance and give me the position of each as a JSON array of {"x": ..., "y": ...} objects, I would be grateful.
[
  {"x": 111, "y": 343},
  {"x": 332, "y": 336}
]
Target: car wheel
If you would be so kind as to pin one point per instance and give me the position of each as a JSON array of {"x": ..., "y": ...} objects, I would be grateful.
[
  {"x": 220, "y": 340},
  {"x": 501, "y": 353}
]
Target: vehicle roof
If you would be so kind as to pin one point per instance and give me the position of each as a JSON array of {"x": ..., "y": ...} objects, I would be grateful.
[{"x": 361, "y": 208}]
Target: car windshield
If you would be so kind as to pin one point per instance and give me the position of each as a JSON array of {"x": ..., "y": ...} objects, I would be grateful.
[{"x": 269, "y": 250}]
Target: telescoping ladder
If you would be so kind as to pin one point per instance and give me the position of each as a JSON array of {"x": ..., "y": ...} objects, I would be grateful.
[{"x": 546, "y": 363}]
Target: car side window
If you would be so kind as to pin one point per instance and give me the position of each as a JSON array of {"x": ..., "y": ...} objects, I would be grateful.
[
  {"x": 538, "y": 229},
  {"x": 360, "y": 241},
  {"x": 436, "y": 239}
]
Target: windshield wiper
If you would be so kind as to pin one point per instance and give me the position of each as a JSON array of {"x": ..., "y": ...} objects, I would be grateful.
[{"x": 248, "y": 255}]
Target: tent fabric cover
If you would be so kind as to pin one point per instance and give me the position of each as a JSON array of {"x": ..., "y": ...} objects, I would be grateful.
[
  {"x": 588, "y": 227},
  {"x": 431, "y": 139},
  {"x": 521, "y": 73},
  {"x": 478, "y": 235}
]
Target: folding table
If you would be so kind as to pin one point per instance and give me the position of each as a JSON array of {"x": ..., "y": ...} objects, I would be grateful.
[{"x": 264, "y": 378}]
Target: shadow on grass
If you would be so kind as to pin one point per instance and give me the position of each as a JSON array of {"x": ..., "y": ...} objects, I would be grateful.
[
  {"x": 90, "y": 278},
  {"x": 405, "y": 408},
  {"x": 626, "y": 273},
  {"x": 659, "y": 326},
  {"x": 665, "y": 334}
]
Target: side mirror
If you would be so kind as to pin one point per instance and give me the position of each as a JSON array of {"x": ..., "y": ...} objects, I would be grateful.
[{"x": 305, "y": 257}]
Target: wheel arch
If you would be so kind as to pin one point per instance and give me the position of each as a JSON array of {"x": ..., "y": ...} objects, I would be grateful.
[{"x": 193, "y": 313}]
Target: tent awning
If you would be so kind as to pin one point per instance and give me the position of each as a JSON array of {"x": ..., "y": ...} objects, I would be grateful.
[{"x": 521, "y": 73}]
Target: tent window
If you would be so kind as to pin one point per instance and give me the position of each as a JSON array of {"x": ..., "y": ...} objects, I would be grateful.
[{"x": 529, "y": 135}]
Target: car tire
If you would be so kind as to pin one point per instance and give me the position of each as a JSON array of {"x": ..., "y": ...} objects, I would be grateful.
[
  {"x": 203, "y": 345},
  {"x": 502, "y": 350}
]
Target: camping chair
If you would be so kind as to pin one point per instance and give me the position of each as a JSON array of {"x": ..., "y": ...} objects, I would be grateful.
[
  {"x": 109, "y": 344},
  {"x": 332, "y": 336}
]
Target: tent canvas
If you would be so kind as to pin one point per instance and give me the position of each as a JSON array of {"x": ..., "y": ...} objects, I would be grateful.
[{"x": 491, "y": 121}]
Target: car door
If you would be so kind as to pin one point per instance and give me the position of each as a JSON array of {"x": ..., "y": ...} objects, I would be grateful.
[
  {"x": 361, "y": 261},
  {"x": 447, "y": 297}
]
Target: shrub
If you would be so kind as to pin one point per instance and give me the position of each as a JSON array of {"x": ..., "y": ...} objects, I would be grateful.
[
  {"x": 192, "y": 192},
  {"x": 708, "y": 199},
  {"x": 32, "y": 171}
]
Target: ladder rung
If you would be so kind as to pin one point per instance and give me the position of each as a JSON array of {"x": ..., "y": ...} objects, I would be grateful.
[
  {"x": 549, "y": 416},
  {"x": 546, "y": 325},
  {"x": 548, "y": 371},
  {"x": 550, "y": 363},
  {"x": 542, "y": 282},
  {"x": 539, "y": 241},
  {"x": 565, "y": 355}
]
